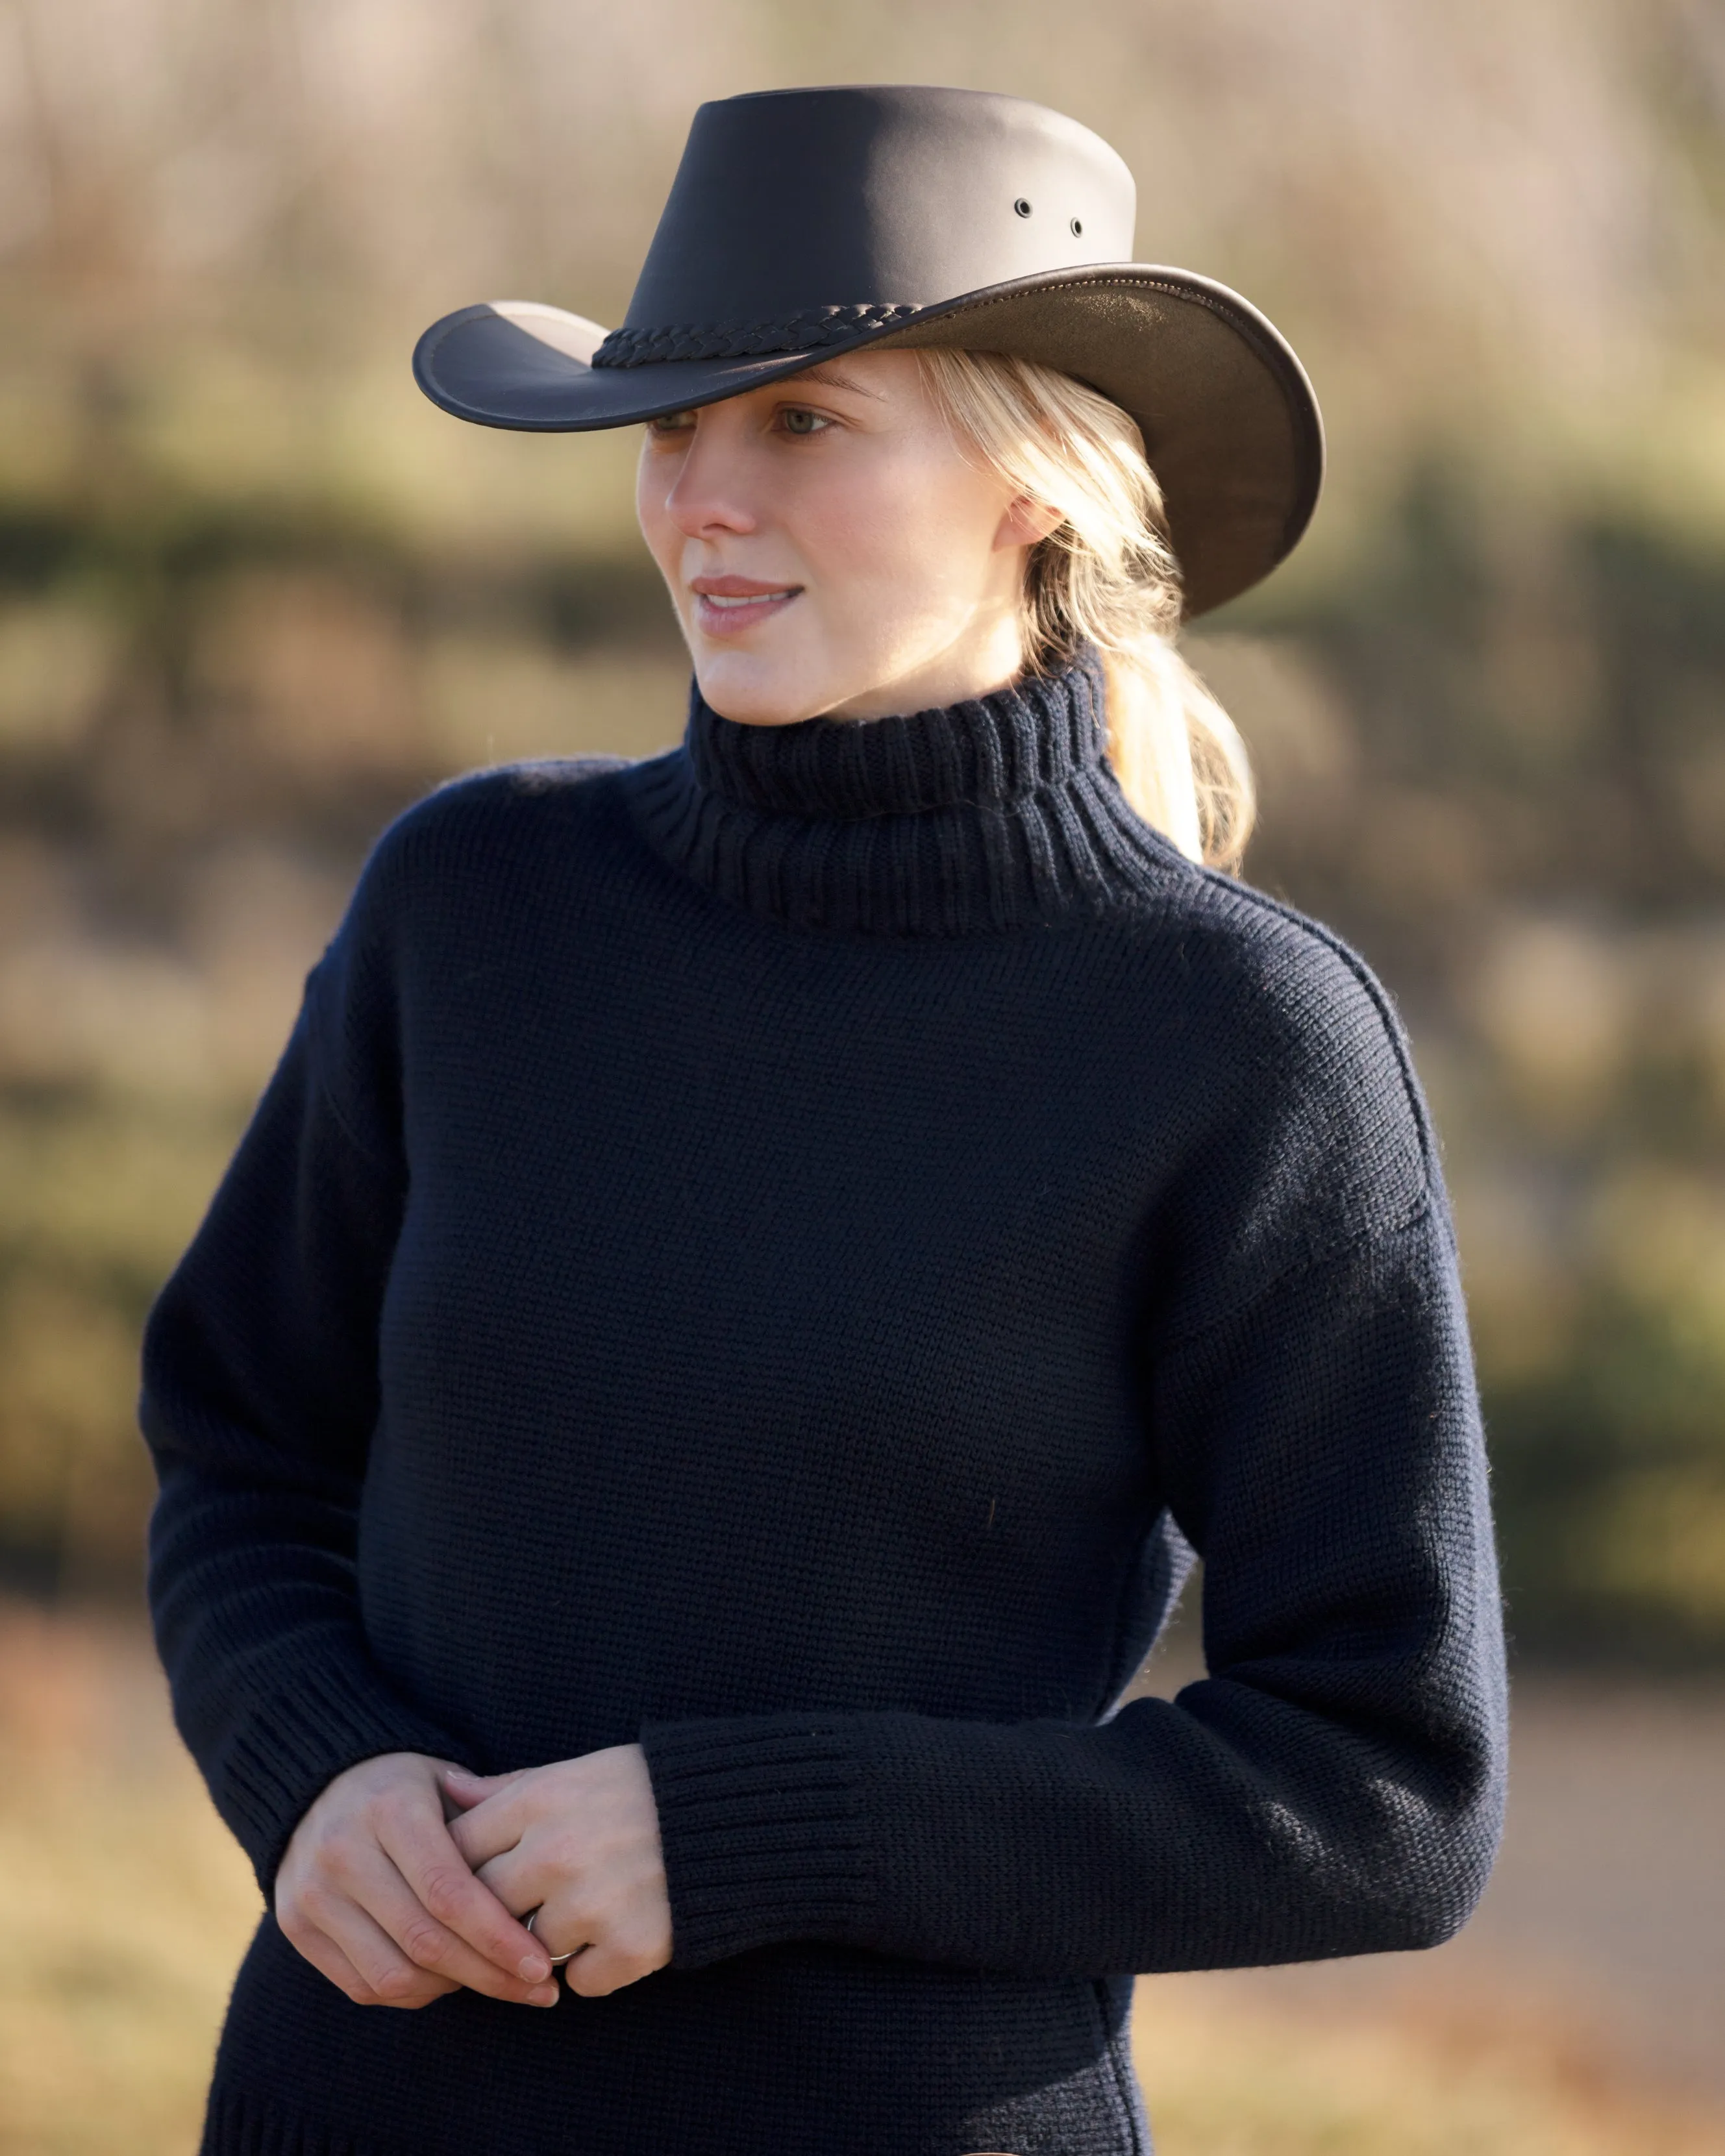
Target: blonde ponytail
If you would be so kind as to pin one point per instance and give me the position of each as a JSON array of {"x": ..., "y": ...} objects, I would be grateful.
[{"x": 1106, "y": 576}]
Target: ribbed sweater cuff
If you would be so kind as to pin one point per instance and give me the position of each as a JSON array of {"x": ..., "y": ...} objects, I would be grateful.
[
  {"x": 296, "y": 1738},
  {"x": 762, "y": 1822}
]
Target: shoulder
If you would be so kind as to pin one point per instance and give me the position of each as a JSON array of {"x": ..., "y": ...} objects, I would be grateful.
[
  {"x": 478, "y": 832},
  {"x": 1299, "y": 1066},
  {"x": 470, "y": 820},
  {"x": 1287, "y": 985},
  {"x": 457, "y": 860}
]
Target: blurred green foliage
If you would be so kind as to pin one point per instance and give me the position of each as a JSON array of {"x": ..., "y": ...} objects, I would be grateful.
[
  {"x": 1528, "y": 837},
  {"x": 255, "y": 595}
]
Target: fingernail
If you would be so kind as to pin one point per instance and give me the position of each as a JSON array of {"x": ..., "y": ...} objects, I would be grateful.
[
  {"x": 545, "y": 1995},
  {"x": 534, "y": 1968}
]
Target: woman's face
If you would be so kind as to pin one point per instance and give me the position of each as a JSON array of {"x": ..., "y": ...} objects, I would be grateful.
[{"x": 831, "y": 551}]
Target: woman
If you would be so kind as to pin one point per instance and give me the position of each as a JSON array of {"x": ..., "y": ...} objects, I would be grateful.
[{"x": 756, "y": 1268}]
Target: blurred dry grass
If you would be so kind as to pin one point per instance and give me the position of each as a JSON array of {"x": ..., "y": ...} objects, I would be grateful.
[
  {"x": 1493, "y": 2075},
  {"x": 127, "y": 1909},
  {"x": 127, "y": 1906}
]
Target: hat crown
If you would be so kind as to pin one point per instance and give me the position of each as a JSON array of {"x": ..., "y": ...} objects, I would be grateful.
[{"x": 875, "y": 197}]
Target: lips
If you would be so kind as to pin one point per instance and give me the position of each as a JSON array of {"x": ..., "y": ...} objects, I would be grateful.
[{"x": 725, "y": 606}]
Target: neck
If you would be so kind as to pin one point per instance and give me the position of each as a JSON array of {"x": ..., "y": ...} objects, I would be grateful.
[
  {"x": 992, "y": 813},
  {"x": 983, "y": 663}
]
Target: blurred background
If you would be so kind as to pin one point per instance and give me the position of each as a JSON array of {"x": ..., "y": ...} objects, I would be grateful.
[{"x": 256, "y": 595}]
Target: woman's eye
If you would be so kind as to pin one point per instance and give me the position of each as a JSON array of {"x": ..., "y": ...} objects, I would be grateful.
[
  {"x": 671, "y": 423},
  {"x": 798, "y": 421}
]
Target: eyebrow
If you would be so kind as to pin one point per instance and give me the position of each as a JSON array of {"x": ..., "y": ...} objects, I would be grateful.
[{"x": 827, "y": 372}]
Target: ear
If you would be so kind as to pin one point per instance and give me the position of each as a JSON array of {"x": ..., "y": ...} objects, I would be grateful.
[{"x": 1026, "y": 521}]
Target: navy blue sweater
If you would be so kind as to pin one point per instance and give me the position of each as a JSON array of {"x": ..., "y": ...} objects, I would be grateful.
[{"x": 780, "y": 1252}]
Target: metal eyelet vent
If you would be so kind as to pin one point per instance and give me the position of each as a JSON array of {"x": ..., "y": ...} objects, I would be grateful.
[
  {"x": 1078, "y": 228},
  {"x": 1022, "y": 207}
]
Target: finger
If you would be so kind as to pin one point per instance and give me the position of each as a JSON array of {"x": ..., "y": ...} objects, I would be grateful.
[
  {"x": 468, "y": 1789},
  {"x": 438, "y": 1875},
  {"x": 599, "y": 1970},
  {"x": 327, "y": 1958},
  {"x": 391, "y": 1903},
  {"x": 382, "y": 1966},
  {"x": 519, "y": 1884},
  {"x": 565, "y": 1914},
  {"x": 493, "y": 1824}
]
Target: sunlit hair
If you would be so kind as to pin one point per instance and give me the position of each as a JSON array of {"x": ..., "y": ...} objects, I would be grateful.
[{"x": 1106, "y": 575}]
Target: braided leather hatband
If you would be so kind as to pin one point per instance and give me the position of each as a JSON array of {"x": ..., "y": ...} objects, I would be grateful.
[{"x": 803, "y": 332}]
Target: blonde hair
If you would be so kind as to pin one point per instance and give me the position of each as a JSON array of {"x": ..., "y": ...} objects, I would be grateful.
[{"x": 1106, "y": 576}]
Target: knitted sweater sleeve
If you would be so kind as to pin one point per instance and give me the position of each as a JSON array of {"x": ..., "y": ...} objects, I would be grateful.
[
  {"x": 260, "y": 1391},
  {"x": 1334, "y": 1785}
]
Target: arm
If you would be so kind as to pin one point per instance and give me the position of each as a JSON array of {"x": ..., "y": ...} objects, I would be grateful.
[
  {"x": 1332, "y": 1789},
  {"x": 1335, "y": 1785},
  {"x": 260, "y": 1389}
]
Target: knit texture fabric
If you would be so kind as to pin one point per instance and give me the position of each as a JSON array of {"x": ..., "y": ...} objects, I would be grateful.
[{"x": 779, "y": 1252}]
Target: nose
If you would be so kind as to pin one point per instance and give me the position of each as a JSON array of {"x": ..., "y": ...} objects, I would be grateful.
[{"x": 709, "y": 494}]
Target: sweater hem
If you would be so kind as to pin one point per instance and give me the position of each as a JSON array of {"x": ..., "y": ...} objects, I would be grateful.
[{"x": 238, "y": 2124}]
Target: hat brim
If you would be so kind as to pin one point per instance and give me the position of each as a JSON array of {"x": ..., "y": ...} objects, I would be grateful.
[{"x": 1230, "y": 422}]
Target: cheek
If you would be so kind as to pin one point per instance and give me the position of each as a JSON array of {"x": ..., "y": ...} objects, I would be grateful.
[
  {"x": 903, "y": 533},
  {"x": 653, "y": 483}
]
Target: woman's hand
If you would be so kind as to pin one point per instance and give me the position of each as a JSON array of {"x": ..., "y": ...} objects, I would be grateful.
[
  {"x": 577, "y": 1841},
  {"x": 376, "y": 1895}
]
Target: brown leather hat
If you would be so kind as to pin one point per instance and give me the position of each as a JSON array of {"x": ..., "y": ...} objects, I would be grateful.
[{"x": 805, "y": 222}]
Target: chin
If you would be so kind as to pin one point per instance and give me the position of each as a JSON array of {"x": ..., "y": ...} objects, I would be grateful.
[{"x": 752, "y": 694}]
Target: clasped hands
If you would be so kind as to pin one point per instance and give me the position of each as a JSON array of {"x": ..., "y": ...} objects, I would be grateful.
[{"x": 409, "y": 1878}]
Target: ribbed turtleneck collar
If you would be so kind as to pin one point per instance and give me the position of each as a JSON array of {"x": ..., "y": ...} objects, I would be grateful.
[{"x": 994, "y": 814}]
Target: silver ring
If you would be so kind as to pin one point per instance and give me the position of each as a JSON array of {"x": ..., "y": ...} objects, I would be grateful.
[{"x": 556, "y": 1961}]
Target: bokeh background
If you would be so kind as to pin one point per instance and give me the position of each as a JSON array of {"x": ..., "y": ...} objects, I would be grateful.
[{"x": 256, "y": 594}]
